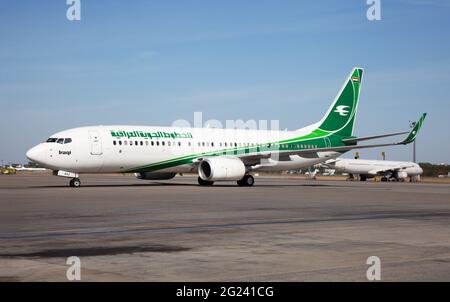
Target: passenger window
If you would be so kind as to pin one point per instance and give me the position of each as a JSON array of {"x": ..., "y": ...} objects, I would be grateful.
[
  {"x": 168, "y": 144},
  {"x": 162, "y": 143},
  {"x": 146, "y": 143},
  {"x": 153, "y": 143},
  {"x": 157, "y": 143},
  {"x": 179, "y": 143},
  {"x": 125, "y": 143},
  {"x": 120, "y": 143},
  {"x": 142, "y": 143},
  {"x": 114, "y": 143}
]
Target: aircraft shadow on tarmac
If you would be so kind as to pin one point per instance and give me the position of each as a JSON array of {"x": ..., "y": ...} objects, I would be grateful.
[{"x": 186, "y": 185}]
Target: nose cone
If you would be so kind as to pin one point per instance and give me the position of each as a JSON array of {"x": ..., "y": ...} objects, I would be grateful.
[{"x": 36, "y": 154}]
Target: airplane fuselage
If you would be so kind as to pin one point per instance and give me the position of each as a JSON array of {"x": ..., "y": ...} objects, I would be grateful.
[
  {"x": 371, "y": 168},
  {"x": 119, "y": 148}
]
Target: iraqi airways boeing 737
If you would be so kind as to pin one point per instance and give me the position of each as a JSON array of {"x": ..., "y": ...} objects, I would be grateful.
[{"x": 215, "y": 154}]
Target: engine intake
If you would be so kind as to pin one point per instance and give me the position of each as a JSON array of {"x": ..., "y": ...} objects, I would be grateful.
[
  {"x": 221, "y": 168},
  {"x": 402, "y": 174}
]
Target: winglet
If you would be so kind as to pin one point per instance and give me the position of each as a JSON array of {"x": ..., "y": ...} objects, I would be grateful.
[{"x": 412, "y": 135}]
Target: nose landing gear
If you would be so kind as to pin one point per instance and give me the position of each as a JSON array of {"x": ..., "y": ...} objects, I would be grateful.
[{"x": 75, "y": 182}]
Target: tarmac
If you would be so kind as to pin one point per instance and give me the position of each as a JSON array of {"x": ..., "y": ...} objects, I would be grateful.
[{"x": 281, "y": 229}]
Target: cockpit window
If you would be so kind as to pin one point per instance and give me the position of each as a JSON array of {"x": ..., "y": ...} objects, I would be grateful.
[{"x": 59, "y": 140}]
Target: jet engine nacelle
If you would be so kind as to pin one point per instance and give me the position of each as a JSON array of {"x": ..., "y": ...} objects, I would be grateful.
[
  {"x": 402, "y": 175},
  {"x": 154, "y": 175},
  {"x": 221, "y": 168}
]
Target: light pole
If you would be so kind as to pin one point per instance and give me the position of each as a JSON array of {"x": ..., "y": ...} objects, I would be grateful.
[{"x": 412, "y": 125}]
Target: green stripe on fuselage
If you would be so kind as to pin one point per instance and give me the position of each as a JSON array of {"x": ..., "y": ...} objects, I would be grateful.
[{"x": 315, "y": 138}]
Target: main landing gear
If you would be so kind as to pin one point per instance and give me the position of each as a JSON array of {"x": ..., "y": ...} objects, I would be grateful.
[
  {"x": 75, "y": 182},
  {"x": 204, "y": 182},
  {"x": 246, "y": 181}
]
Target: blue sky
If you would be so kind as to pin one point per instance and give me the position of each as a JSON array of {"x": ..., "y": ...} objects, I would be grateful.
[{"x": 152, "y": 62}]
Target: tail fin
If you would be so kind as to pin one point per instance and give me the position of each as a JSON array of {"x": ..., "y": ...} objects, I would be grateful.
[{"x": 340, "y": 117}]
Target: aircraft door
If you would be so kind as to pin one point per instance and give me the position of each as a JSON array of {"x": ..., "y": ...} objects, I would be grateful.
[{"x": 96, "y": 143}]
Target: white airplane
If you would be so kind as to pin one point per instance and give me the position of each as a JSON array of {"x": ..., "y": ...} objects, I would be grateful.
[
  {"x": 389, "y": 170},
  {"x": 28, "y": 169},
  {"x": 215, "y": 154}
]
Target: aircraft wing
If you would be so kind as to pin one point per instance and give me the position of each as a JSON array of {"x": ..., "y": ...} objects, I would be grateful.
[
  {"x": 314, "y": 152},
  {"x": 366, "y": 138}
]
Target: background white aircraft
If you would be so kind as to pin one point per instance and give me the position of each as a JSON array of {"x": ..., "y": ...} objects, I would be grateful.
[
  {"x": 215, "y": 154},
  {"x": 389, "y": 170},
  {"x": 28, "y": 169}
]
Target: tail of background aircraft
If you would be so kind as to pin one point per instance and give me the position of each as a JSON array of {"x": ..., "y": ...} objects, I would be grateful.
[{"x": 340, "y": 117}]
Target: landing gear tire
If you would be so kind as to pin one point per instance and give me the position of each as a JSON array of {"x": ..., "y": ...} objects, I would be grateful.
[
  {"x": 75, "y": 183},
  {"x": 384, "y": 179},
  {"x": 246, "y": 181},
  {"x": 362, "y": 178},
  {"x": 204, "y": 182}
]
